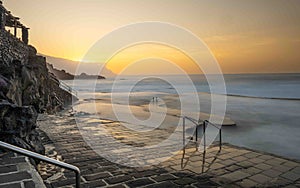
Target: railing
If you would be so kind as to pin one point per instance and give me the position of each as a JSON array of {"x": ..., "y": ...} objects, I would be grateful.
[
  {"x": 198, "y": 123},
  {"x": 63, "y": 85},
  {"x": 204, "y": 124},
  {"x": 43, "y": 158},
  {"x": 67, "y": 88}
]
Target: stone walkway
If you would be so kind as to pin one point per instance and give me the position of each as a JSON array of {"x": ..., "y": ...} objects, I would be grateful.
[
  {"x": 229, "y": 167},
  {"x": 241, "y": 167},
  {"x": 17, "y": 172}
]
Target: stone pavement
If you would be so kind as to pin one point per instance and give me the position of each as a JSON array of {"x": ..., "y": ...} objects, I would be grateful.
[
  {"x": 230, "y": 167},
  {"x": 241, "y": 167},
  {"x": 17, "y": 172}
]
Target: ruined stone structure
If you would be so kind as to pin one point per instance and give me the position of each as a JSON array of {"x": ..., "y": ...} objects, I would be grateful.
[{"x": 8, "y": 20}]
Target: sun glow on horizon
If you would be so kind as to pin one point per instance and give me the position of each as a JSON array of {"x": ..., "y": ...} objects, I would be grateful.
[{"x": 152, "y": 58}]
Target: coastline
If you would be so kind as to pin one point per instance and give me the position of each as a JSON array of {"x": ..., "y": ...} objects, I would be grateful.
[{"x": 261, "y": 124}]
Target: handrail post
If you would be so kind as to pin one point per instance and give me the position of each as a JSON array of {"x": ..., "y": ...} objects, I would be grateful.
[
  {"x": 183, "y": 132},
  {"x": 204, "y": 135},
  {"x": 77, "y": 179},
  {"x": 220, "y": 142},
  {"x": 196, "y": 133},
  {"x": 183, "y": 136}
]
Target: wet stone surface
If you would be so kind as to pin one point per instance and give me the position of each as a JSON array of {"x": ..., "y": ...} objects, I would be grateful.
[
  {"x": 229, "y": 167},
  {"x": 16, "y": 171}
]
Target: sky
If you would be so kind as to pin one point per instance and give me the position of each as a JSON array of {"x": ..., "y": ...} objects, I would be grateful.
[{"x": 255, "y": 36}]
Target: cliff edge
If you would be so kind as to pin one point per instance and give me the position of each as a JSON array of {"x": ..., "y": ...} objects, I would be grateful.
[{"x": 26, "y": 89}]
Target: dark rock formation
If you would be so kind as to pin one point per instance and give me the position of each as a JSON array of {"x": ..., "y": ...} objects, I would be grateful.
[
  {"x": 84, "y": 76},
  {"x": 25, "y": 87},
  {"x": 63, "y": 75},
  {"x": 60, "y": 74},
  {"x": 17, "y": 126}
]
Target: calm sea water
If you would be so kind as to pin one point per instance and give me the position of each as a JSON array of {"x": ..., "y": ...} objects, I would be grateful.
[
  {"x": 265, "y": 107},
  {"x": 286, "y": 86}
]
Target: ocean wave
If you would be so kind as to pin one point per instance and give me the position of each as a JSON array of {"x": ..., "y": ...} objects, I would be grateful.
[{"x": 262, "y": 97}]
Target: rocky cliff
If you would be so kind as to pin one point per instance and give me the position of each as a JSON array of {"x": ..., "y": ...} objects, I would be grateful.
[
  {"x": 60, "y": 74},
  {"x": 25, "y": 90}
]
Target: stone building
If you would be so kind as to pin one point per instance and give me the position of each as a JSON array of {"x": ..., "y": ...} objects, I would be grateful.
[{"x": 7, "y": 20}]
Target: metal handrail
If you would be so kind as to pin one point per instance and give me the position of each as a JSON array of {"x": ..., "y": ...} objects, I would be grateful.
[
  {"x": 215, "y": 125},
  {"x": 204, "y": 123},
  {"x": 193, "y": 120},
  {"x": 63, "y": 85},
  {"x": 43, "y": 158},
  {"x": 198, "y": 123}
]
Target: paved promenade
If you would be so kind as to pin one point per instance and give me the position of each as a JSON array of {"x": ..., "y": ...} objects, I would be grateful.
[
  {"x": 229, "y": 167},
  {"x": 16, "y": 171}
]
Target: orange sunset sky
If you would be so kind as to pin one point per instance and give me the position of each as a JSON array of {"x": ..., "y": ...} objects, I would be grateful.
[{"x": 253, "y": 36}]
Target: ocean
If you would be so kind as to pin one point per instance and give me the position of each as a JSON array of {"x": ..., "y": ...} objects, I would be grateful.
[{"x": 265, "y": 107}]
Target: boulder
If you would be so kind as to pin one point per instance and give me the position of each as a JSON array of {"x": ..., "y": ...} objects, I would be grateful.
[{"x": 17, "y": 126}]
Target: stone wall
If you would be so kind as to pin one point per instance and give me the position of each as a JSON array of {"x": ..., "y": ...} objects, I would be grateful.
[
  {"x": 12, "y": 48},
  {"x": 25, "y": 87}
]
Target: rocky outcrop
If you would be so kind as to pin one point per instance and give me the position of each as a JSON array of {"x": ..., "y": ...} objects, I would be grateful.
[
  {"x": 60, "y": 74},
  {"x": 25, "y": 89},
  {"x": 63, "y": 75},
  {"x": 84, "y": 76}
]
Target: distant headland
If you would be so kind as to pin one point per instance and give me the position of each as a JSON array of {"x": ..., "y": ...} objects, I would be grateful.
[{"x": 64, "y": 75}]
